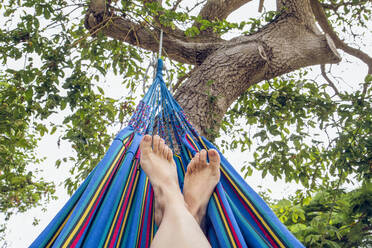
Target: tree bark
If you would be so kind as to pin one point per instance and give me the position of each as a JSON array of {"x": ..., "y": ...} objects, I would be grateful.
[
  {"x": 226, "y": 69},
  {"x": 280, "y": 48}
]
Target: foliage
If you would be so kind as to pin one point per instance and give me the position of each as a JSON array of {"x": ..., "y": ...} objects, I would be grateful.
[
  {"x": 292, "y": 117},
  {"x": 59, "y": 71},
  {"x": 18, "y": 186},
  {"x": 329, "y": 218},
  {"x": 53, "y": 65}
]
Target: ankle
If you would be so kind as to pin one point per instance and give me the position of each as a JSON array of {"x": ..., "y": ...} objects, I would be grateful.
[
  {"x": 195, "y": 212},
  {"x": 172, "y": 193}
]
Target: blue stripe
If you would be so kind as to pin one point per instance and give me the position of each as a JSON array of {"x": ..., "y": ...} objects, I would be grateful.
[{"x": 159, "y": 111}]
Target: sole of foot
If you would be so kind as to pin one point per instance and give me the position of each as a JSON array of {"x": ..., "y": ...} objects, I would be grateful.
[
  {"x": 200, "y": 180},
  {"x": 157, "y": 162}
]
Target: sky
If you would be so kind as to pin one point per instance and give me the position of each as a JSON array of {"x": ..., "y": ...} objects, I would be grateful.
[{"x": 21, "y": 232}]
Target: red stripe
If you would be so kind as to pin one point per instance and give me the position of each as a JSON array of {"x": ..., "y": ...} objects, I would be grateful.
[
  {"x": 129, "y": 142},
  {"x": 122, "y": 211},
  {"x": 228, "y": 219},
  {"x": 263, "y": 229},
  {"x": 190, "y": 143},
  {"x": 142, "y": 221},
  {"x": 149, "y": 219},
  {"x": 77, "y": 238}
]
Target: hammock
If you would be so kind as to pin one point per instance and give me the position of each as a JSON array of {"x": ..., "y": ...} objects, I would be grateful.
[{"x": 114, "y": 206}]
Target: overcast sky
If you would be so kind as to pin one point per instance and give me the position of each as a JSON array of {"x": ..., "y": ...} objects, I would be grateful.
[{"x": 21, "y": 232}]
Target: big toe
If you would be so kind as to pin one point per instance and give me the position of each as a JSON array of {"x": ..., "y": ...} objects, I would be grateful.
[
  {"x": 214, "y": 158},
  {"x": 145, "y": 144}
]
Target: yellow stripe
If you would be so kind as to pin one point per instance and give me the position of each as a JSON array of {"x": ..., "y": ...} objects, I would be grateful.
[
  {"x": 223, "y": 218},
  {"x": 117, "y": 211},
  {"x": 249, "y": 203},
  {"x": 126, "y": 139},
  {"x": 219, "y": 206},
  {"x": 190, "y": 155},
  {"x": 152, "y": 222},
  {"x": 82, "y": 217},
  {"x": 59, "y": 230},
  {"x": 253, "y": 209},
  {"x": 180, "y": 160},
  {"x": 196, "y": 147},
  {"x": 143, "y": 203},
  {"x": 201, "y": 141},
  {"x": 128, "y": 208}
]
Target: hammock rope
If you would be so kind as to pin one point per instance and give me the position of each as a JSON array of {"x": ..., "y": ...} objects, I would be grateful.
[
  {"x": 114, "y": 206},
  {"x": 160, "y": 43}
]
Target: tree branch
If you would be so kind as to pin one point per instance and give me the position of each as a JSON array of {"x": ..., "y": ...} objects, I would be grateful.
[
  {"x": 301, "y": 9},
  {"x": 281, "y": 47},
  {"x": 175, "y": 31},
  {"x": 215, "y": 10},
  {"x": 219, "y": 9},
  {"x": 227, "y": 68},
  {"x": 260, "y": 6},
  {"x": 175, "y": 5},
  {"x": 336, "y": 6},
  {"x": 324, "y": 24},
  {"x": 145, "y": 36},
  {"x": 329, "y": 81}
]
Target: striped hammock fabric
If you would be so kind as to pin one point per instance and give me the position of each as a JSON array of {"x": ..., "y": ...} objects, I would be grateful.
[{"x": 114, "y": 206}]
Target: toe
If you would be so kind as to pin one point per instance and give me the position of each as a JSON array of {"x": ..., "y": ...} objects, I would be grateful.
[
  {"x": 145, "y": 145},
  {"x": 191, "y": 165},
  {"x": 203, "y": 157},
  {"x": 196, "y": 160},
  {"x": 155, "y": 143},
  {"x": 214, "y": 158},
  {"x": 169, "y": 155},
  {"x": 165, "y": 151},
  {"x": 162, "y": 147}
]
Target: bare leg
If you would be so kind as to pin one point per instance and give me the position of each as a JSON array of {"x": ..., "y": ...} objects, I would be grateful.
[
  {"x": 200, "y": 180},
  {"x": 178, "y": 227}
]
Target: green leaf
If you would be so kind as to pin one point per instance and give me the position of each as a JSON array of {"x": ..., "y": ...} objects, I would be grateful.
[
  {"x": 100, "y": 90},
  {"x": 54, "y": 129}
]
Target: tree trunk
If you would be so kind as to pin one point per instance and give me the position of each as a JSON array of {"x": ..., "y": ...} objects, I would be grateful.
[
  {"x": 226, "y": 69},
  {"x": 280, "y": 48}
]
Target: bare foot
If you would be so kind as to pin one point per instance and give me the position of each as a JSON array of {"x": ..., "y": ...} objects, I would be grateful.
[
  {"x": 158, "y": 164},
  {"x": 200, "y": 180}
]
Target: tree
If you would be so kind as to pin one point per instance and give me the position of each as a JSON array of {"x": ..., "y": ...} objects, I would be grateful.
[
  {"x": 328, "y": 219},
  {"x": 257, "y": 78}
]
